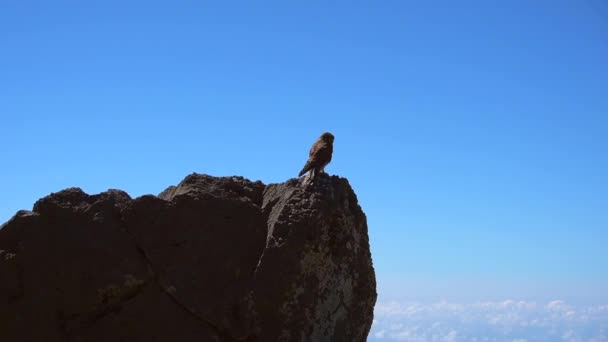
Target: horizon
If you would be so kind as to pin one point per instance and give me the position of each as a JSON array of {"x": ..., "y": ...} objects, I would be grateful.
[{"x": 473, "y": 134}]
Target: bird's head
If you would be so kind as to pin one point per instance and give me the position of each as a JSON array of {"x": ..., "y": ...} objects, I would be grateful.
[{"x": 327, "y": 137}]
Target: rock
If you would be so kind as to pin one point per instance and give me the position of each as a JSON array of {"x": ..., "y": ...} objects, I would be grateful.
[
  {"x": 211, "y": 259},
  {"x": 317, "y": 240}
]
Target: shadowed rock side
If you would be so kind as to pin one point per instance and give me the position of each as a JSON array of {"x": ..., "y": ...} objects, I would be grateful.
[{"x": 211, "y": 259}]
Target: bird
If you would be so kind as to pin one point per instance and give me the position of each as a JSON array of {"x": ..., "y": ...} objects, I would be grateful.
[{"x": 319, "y": 155}]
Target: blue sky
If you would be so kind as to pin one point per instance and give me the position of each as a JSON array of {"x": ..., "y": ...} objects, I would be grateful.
[{"x": 474, "y": 132}]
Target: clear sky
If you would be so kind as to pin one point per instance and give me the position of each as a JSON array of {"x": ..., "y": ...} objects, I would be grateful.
[{"x": 473, "y": 132}]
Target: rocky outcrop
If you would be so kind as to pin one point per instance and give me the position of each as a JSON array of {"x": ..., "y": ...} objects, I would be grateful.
[{"x": 212, "y": 259}]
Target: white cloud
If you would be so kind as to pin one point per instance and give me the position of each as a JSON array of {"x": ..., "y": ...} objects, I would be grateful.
[
  {"x": 451, "y": 336},
  {"x": 508, "y": 320},
  {"x": 380, "y": 334},
  {"x": 557, "y": 305},
  {"x": 571, "y": 336}
]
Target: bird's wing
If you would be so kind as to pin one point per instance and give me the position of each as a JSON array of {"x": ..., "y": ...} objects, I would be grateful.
[
  {"x": 309, "y": 165},
  {"x": 319, "y": 156},
  {"x": 321, "y": 153}
]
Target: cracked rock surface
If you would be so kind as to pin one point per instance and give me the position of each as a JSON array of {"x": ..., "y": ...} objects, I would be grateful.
[{"x": 211, "y": 259}]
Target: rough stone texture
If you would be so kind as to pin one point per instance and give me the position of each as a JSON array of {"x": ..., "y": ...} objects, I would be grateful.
[{"x": 211, "y": 259}]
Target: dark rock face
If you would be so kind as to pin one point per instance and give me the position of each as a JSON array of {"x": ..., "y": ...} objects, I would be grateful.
[{"x": 212, "y": 259}]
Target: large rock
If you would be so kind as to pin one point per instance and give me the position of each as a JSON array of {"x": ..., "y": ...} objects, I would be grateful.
[{"x": 212, "y": 259}]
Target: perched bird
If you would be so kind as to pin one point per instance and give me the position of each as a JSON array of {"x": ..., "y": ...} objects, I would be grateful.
[{"x": 319, "y": 156}]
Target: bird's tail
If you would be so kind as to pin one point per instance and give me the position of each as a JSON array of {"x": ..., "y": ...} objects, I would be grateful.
[{"x": 306, "y": 168}]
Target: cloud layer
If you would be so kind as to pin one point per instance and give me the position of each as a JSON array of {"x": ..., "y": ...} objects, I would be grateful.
[{"x": 509, "y": 320}]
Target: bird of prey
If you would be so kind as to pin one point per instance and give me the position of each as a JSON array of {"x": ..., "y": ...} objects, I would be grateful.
[{"x": 319, "y": 156}]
